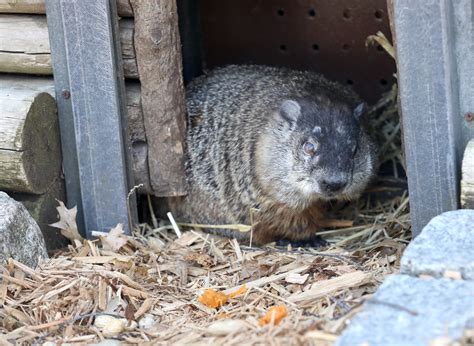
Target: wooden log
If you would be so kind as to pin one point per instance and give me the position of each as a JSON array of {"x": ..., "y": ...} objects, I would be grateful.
[
  {"x": 158, "y": 51},
  {"x": 24, "y": 45},
  {"x": 33, "y": 85},
  {"x": 138, "y": 139},
  {"x": 43, "y": 209},
  {"x": 130, "y": 69},
  {"x": 467, "y": 182},
  {"x": 29, "y": 139},
  {"x": 37, "y": 7}
]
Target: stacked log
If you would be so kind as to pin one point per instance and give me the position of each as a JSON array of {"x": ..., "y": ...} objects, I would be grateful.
[
  {"x": 30, "y": 152},
  {"x": 30, "y": 155},
  {"x": 37, "y": 7},
  {"x": 24, "y": 48},
  {"x": 17, "y": 95},
  {"x": 29, "y": 137},
  {"x": 24, "y": 45}
]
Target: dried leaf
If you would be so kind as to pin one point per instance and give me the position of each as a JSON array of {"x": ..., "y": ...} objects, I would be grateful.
[
  {"x": 114, "y": 240},
  {"x": 275, "y": 314},
  {"x": 129, "y": 312},
  {"x": 383, "y": 41},
  {"x": 67, "y": 222},
  {"x": 212, "y": 298}
]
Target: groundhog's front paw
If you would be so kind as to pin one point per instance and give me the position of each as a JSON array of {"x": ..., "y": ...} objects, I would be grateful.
[{"x": 314, "y": 241}]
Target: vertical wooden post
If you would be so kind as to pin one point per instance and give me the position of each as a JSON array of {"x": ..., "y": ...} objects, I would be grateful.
[{"x": 158, "y": 52}]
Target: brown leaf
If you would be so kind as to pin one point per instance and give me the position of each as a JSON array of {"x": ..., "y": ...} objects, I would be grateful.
[
  {"x": 114, "y": 240},
  {"x": 67, "y": 222}
]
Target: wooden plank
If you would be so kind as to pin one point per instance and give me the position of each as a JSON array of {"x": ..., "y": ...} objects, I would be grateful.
[
  {"x": 24, "y": 45},
  {"x": 322, "y": 288},
  {"x": 158, "y": 50},
  {"x": 37, "y": 7}
]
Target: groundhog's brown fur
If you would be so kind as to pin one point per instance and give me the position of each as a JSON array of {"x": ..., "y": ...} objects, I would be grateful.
[{"x": 278, "y": 140}]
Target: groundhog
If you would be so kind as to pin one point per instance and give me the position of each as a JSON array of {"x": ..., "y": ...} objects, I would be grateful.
[{"x": 280, "y": 141}]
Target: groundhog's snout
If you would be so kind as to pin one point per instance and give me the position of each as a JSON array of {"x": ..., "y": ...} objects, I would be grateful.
[{"x": 333, "y": 185}]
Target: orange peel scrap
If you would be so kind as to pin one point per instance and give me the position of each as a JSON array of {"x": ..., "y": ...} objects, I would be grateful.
[
  {"x": 242, "y": 289},
  {"x": 212, "y": 298},
  {"x": 275, "y": 314}
]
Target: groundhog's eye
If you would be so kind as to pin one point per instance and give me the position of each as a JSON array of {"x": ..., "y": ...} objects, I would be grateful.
[{"x": 309, "y": 148}]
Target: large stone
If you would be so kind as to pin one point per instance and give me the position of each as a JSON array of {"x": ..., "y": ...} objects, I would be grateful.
[
  {"x": 445, "y": 244},
  {"x": 20, "y": 236},
  {"x": 412, "y": 311}
]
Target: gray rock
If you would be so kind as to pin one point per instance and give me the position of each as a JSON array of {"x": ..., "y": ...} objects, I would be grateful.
[
  {"x": 446, "y": 243},
  {"x": 412, "y": 311},
  {"x": 20, "y": 236}
]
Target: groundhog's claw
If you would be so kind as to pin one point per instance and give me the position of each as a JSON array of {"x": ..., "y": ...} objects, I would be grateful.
[{"x": 315, "y": 241}]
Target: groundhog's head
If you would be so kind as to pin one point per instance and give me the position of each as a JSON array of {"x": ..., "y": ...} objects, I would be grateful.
[{"x": 315, "y": 149}]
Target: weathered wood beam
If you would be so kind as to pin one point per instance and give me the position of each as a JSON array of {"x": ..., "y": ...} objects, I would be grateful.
[
  {"x": 37, "y": 7},
  {"x": 24, "y": 45},
  {"x": 158, "y": 50}
]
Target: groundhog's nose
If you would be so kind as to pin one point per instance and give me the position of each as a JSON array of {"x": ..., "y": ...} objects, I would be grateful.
[{"x": 333, "y": 185}]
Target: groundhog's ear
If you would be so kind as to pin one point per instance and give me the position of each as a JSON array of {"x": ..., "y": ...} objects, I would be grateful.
[
  {"x": 359, "y": 111},
  {"x": 290, "y": 110}
]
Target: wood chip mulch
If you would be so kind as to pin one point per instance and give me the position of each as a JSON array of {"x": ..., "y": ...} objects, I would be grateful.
[{"x": 147, "y": 288}]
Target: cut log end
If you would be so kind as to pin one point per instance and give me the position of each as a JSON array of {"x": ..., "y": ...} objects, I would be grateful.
[
  {"x": 42, "y": 143},
  {"x": 30, "y": 156}
]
